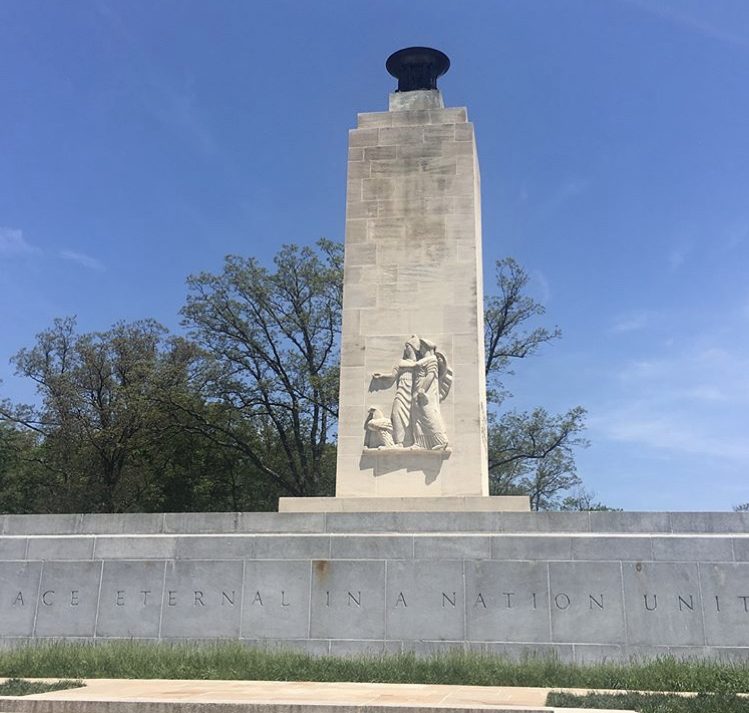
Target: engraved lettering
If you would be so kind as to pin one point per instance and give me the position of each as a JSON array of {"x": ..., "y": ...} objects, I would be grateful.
[
  {"x": 172, "y": 600},
  {"x": 446, "y": 598},
  {"x": 480, "y": 601},
  {"x": 562, "y": 601},
  {"x": 284, "y": 603},
  {"x": 198, "y": 600},
  {"x": 684, "y": 603},
  {"x": 119, "y": 600},
  {"x": 533, "y": 596},
  {"x": 717, "y": 603},
  {"x": 74, "y": 602},
  {"x": 745, "y": 599},
  {"x": 655, "y": 602},
  {"x": 226, "y": 598},
  {"x": 327, "y": 599},
  {"x": 18, "y": 600},
  {"x": 509, "y": 596},
  {"x": 401, "y": 600},
  {"x": 356, "y": 599},
  {"x": 593, "y": 600},
  {"x": 145, "y": 593},
  {"x": 258, "y": 599},
  {"x": 51, "y": 593}
]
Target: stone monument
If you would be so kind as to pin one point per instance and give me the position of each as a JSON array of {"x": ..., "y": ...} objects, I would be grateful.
[
  {"x": 412, "y": 420},
  {"x": 582, "y": 586}
]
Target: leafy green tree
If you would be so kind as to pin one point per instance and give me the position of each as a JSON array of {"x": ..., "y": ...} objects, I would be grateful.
[
  {"x": 96, "y": 417},
  {"x": 16, "y": 477},
  {"x": 270, "y": 340},
  {"x": 529, "y": 452}
]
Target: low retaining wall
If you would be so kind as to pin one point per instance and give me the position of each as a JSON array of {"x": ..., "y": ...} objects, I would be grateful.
[{"x": 584, "y": 586}]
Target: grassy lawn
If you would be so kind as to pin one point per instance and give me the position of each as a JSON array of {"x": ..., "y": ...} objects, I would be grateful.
[
  {"x": 233, "y": 661},
  {"x": 19, "y": 687},
  {"x": 653, "y": 703}
]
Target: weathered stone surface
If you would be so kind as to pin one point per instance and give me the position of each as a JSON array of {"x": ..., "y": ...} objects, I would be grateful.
[
  {"x": 276, "y": 600},
  {"x": 130, "y": 599},
  {"x": 425, "y": 600},
  {"x": 404, "y": 182},
  {"x": 19, "y": 590},
  {"x": 507, "y": 601},
  {"x": 202, "y": 599},
  {"x": 348, "y": 599},
  {"x": 663, "y": 604},
  {"x": 586, "y": 602},
  {"x": 68, "y": 599}
]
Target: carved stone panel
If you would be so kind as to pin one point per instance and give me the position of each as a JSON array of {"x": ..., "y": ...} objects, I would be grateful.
[{"x": 421, "y": 380}]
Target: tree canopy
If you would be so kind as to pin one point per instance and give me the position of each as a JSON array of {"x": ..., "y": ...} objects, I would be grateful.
[{"x": 243, "y": 407}]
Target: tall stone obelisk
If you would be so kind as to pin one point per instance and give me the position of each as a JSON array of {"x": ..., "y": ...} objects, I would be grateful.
[
  {"x": 412, "y": 419},
  {"x": 412, "y": 268}
]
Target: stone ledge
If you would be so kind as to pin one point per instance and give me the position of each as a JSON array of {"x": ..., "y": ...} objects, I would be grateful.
[
  {"x": 383, "y": 450},
  {"x": 451, "y": 504},
  {"x": 520, "y": 523}
]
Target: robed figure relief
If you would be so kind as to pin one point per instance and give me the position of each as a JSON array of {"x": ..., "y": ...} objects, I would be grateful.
[{"x": 422, "y": 380}]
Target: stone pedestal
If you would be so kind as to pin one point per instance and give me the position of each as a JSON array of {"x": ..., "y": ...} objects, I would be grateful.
[
  {"x": 412, "y": 274},
  {"x": 445, "y": 503}
]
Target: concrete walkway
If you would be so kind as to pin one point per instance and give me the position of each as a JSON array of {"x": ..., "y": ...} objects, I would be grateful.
[{"x": 163, "y": 696}]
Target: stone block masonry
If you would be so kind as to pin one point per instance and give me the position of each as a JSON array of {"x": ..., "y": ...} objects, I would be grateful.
[
  {"x": 583, "y": 586},
  {"x": 412, "y": 267}
]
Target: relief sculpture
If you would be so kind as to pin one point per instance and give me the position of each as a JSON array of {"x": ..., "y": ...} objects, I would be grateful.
[{"x": 422, "y": 380}]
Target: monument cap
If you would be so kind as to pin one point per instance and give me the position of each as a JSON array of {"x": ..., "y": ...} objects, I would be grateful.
[{"x": 417, "y": 68}]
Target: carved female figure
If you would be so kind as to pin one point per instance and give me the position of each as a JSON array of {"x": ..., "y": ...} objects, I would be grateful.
[{"x": 432, "y": 380}]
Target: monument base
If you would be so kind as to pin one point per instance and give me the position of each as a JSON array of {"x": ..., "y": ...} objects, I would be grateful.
[
  {"x": 579, "y": 586},
  {"x": 475, "y": 503}
]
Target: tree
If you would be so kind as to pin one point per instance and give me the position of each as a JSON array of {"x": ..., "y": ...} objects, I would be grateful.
[
  {"x": 96, "y": 418},
  {"x": 270, "y": 343},
  {"x": 743, "y": 507},
  {"x": 507, "y": 336},
  {"x": 245, "y": 409},
  {"x": 584, "y": 500},
  {"x": 16, "y": 481},
  {"x": 529, "y": 452}
]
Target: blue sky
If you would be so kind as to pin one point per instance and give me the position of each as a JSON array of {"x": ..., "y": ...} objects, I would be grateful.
[{"x": 142, "y": 141}]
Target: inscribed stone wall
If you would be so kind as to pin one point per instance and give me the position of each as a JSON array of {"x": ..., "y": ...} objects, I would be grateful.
[{"x": 586, "y": 586}]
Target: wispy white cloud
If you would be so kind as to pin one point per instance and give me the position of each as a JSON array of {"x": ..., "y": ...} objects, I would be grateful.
[
  {"x": 172, "y": 100},
  {"x": 691, "y": 375},
  {"x": 633, "y": 322},
  {"x": 677, "y": 256},
  {"x": 738, "y": 234},
  {"x": 566, "y": 191},
  {"x": 90, "y": 263},
  {"x": 689, "y": 404},
  {"x": 674, "y": 432},
  {"x": 12, "y": 243},
  {"x": 540, "y": 285},
  {"x": 674, "y": 14}
]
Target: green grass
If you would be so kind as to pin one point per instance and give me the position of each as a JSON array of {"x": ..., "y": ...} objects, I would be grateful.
[
  {"x": 233, "y": 661},
  {"x": 19, "y": 687},
  {"x": 653, "y": 703}
]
